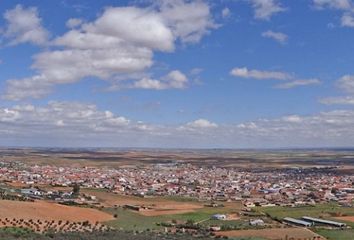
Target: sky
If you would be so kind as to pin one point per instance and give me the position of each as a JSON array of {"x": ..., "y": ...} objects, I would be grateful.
[{"x": 177, "y": 73}]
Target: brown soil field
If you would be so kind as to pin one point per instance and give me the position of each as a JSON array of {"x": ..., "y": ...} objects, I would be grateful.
[
  {"x": 159, "y": 206},
  {"x": 347, "y": 218},
  {"x": 17, "y": 184},
  {"x": 273, "y": 233},
  {"x": 41, "y": 210}
]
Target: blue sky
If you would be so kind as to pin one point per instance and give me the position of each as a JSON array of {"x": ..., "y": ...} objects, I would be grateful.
[{"x": 177, "y": 73}]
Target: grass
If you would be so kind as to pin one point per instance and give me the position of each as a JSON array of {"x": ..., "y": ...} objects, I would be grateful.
[
  {"x": 327, "y": 211},
  {"x": 16, "y": 232},
  {"x": 247, "y": 238},
  {"x": 130, "y": 220},
  {"x": 324, "y": 210},
  {"x": 181, "y": 199},
  {"x": 347, "y": 234}
]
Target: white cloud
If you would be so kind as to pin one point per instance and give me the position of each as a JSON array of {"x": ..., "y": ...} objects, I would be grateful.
[
  {"x": 336, "y": 4},
  {"x": 201, "y": 123},
  {"x": 292, "y": 82},
  {"x": 173, "y": 80},
  {"x": 265, "y": 9},
  {"x": 25, "y": 26},
  {"x": 196, "y": 71},
  {"x": 258, "y": 74},
  {"x": 176, "y": 79},
  {"x": 333, "y": 128},
  {"x": 225, "y": 13},
  {"x": 189, "y": 20},
  {"x": 347, "y": 20},
  {"x": 346, "y": 6},
  {"x": 277, "y": 36},
  {"x": 108, "y": 50},
  {"x": 299, "y": 82},
  {"x": 74, "y": 22},
  {"x": 73, "y": 115},
  {"x": 146, "y": 29},
  {"x": 347, "y": 100},
  {"x": 148, "y": 83},
  {"x": 71, "y": 65},
  {"x": 292, "y": 119},
  {"x": 346, "y": 84},
  {"x": 77, "y": 124}
]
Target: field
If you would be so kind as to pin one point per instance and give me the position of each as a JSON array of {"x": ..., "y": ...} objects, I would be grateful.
[
  {"x": 164, "y": 210},
  {"x": 158, "y": 205},
  {"x": 247, "y": 159},
  {"x": 336, "y": 234},
  {"x": 41, "y": 210},
  {"x": 331, "y": 210},
  {"x": 272, "y": 234},
  {"x": 327, "y": 211},
  {"x": 130, "y": 220},
  {"x": 346, "y": 218}
]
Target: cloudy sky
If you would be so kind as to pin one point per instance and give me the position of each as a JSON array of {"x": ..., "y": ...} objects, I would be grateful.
[{"x": 177, "y": 73}]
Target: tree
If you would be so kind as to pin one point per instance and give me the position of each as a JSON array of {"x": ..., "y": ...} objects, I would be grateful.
[
  {"x": 76, "y": 190},
  {"x": 190, "y": 222}
]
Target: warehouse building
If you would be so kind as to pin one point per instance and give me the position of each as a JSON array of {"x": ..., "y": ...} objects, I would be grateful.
[
  {"x": 219, "y": 217},
  {"x": 297, "y": 222},
  {"x": 325, "y": 222}
]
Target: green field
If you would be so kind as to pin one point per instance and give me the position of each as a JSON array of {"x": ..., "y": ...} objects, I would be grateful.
[
  {"x": 130, "y": 220},
  {"x": 327, "y": 211},
  {"x": 247, "y": 238},
  {"x": 347, "y": 234},
  {"x": 320, "y": 210}
]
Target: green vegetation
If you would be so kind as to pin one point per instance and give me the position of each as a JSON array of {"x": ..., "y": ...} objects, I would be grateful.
[
  {"x": 15, "y": 233},
  {"x": 327, "y": 211},
  {"x": 181, "y": 199},
  {"x": 346, "y": 234},
  {"x": 232, "y": 223},
  {"x": 320, "y": 210},
  {"x": 130, "y": 220},
  {"x": 247, "y": 238}
]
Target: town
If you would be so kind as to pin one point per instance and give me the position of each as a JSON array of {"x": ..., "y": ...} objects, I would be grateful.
[
  {"x": 169, "y": 193},
  {"x": 281, "y": 187}
]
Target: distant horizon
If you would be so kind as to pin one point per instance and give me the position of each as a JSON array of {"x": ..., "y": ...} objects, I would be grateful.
[{"x": 187, "y": 149}]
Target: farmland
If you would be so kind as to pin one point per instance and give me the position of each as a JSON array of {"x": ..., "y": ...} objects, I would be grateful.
[
  {"x": 158, "y": 205},
  {"x": 128, "y": 219},
  {"x": 273, "y": 234},
  {"x": 50, "y": 211},
  {"x": 246, "y": 159},
  {"x": 336, "y": 234},
  {"x": 326, "y": 211},
  {"x": 173, "y": 192},
  {"x": 330, "y": 210}
]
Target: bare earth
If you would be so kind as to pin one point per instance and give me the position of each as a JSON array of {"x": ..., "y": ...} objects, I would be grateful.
[
  {"x": 347, "y": 218},
  {"x": 158, "y": 206},
  {"x": 50, "y": 211},
  {"x": 272, "y": 234}
]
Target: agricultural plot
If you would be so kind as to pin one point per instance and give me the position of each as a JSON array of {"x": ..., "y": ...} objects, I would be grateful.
[
  {"x": 347, "y": 234},
  {"x": 273, "y": 233},
  {"x": 129, "y": 220},
  {"x": 42, "y": 210},
  {"x": 321, "y": 210}
]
